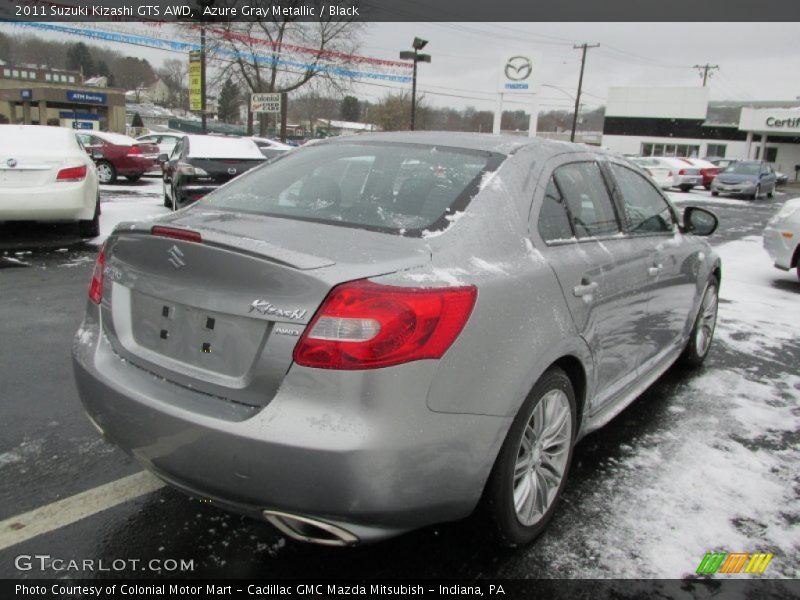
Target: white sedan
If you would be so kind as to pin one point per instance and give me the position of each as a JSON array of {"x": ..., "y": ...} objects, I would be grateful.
[
  {"x": 660, "y": 173},
  {"x": 782, "y": 236},
  {"x": 45, "y": 175}
]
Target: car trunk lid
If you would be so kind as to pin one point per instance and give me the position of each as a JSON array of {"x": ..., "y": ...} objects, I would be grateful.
[
  {"x": 20, "y": 170},
  {"x": 223, "y": 316}
]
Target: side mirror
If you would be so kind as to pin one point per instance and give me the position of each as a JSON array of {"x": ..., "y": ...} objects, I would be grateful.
[
  {"x": 162, "y": 158},
  {"x": 699, "y": 221}
]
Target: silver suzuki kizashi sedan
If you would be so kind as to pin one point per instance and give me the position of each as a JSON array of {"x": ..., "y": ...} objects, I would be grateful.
[{"x": 385, "y": 331}]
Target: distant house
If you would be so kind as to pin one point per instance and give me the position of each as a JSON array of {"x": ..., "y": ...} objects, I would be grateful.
[
  {"x": 100, "y": 81},
  {"x": 157, "y": 93}
]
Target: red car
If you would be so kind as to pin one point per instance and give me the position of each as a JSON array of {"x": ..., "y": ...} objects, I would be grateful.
[
  {"x": 707, "y": 169},
  {"x": 119, "y": 155}
]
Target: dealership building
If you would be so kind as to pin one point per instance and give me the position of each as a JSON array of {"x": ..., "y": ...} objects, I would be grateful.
[
  {"x": 42, "y": 96},
  {"x": 681, "y": 121}
]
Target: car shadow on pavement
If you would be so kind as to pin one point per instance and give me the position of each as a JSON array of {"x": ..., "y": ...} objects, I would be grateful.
[{"x": 787, "y": 285}]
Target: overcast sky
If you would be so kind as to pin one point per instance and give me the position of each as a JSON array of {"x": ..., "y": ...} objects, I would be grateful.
[{"x": 757, "y": 61}]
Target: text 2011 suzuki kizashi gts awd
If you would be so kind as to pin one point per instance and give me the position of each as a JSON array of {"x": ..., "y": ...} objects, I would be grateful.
[{"x": 377, "y": 333}]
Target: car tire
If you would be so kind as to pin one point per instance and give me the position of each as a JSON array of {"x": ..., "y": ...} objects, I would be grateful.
[
  {"x": 167, "y": 199},
  {"x": 705, "y": 323},
  {"x": 715, "y": 193},
  {"x": 513, "y": 511},
  {"x": 685, "y": 188},
  {"x": 106, "y": 173},
  {"x": 91, "y": 227},
  {"x": 174, "y": 203},
  {"x": 133, "y": 178}
]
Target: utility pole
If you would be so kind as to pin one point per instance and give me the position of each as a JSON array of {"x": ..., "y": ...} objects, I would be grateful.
[
  {"x": 584, "y": 48},
  {"x": 705, "y": 71}
]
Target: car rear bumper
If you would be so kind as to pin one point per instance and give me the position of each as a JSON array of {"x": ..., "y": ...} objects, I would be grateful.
[
  {"x": 362, "y": 452},
  {"x": 692, "y": 180},
  {"x": 780, "y": 249},
  {"x": 52, "y": 202}
]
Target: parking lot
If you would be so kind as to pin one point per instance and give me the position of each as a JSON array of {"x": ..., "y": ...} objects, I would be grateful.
[{"x": 703, "y": 461}]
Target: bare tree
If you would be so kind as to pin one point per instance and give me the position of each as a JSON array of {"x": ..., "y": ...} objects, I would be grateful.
[
  {"x": 174, "y": 73},
  {"x": 272, "y": 55}
]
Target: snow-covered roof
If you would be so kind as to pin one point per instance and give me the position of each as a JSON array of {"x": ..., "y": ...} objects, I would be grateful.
[
  {"x": 115, "y": 138},
  {"x": 211, "y": 146},
  {"x": 353, "y": 125}
]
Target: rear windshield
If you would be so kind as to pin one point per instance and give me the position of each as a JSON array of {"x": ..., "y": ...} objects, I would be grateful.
[
  {"x": 396, "y": 188},
  {"x": 742, "y": 168}
]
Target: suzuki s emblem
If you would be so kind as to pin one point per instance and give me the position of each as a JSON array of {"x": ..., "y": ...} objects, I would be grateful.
[
  {"x": 175, "y": 257},
  {"x": 12, "y": 162},
  {"x": 231, "y": 171},
  {"x": 518, "y": 68}
]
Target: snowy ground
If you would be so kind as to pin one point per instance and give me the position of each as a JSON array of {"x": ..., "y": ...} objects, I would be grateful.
[
  {"x": 132, "y": 202},
  {"x": 723, "y": 475}
]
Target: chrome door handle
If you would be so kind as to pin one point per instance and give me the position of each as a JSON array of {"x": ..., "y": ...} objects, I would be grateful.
[
  {"x": 655, "y": 270},
  {"x": 584, "y": 289}
]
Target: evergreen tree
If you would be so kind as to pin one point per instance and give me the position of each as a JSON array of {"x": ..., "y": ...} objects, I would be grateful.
[
  {"x": 230, "y": 99},
  {"x": 350, "y": 109}
]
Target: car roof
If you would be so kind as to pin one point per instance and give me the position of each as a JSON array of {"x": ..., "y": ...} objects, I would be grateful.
[{"x": 487, "y": 142}]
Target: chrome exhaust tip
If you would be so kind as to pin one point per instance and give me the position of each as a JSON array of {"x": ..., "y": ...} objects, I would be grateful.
[{"x": 310, "y": 530}]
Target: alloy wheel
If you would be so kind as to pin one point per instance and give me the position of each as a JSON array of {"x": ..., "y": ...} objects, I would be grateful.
[
  {"x": 707, "y": 321},
  {"x": 542, "y": 457}
]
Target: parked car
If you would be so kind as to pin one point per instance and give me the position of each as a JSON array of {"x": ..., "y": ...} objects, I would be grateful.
[
  {"x": 271, "y": 148},
  {"x": 165, "y": 142},
  {"x": 782, "y": 236},
  {"x": 46, "y": 176},
  {"x": 119, "y": 155},
  {"x": 781, "y": 178},
  {"x": 350, "y": 346},
  {"x": 684, "y": 176},
  {"x": 722, "y": 163},
  {"x": 199, "y": 164},
  {"x": 708, "y": 170},
  {"x": 751, "y": 178},
  {"x": 660, "y": 172}
]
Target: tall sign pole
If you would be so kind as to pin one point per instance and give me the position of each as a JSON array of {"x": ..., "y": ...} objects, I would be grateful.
[{"x": 203, "y": 115}]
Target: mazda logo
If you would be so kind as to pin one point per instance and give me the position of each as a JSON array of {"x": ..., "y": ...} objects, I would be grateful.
[
  {"x": 231, "y": 171},
  {"x": 12, "y": 162},
  {"x": 518, "y": 68}
]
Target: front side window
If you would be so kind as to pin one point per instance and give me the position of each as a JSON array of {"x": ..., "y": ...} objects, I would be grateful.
[
  {"x": 553, "y": 219},
  {"x": 389, "y": 187},
  {"x": 590, "y": 208},
  {"x": 645, "y": 209}
]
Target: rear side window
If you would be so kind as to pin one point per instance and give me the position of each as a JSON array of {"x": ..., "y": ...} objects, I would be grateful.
[
  {"x": 590, "y": 208},
  {"x": 389, "y": 187},
  {"x": 645, "y": 209},
  {"x": 553, "y": 218}
]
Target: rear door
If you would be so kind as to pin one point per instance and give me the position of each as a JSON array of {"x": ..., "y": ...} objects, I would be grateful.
[{"x": 599, "y": 269}]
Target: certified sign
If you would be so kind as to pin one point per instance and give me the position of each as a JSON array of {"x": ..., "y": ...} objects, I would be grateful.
[
  {"x": 265, "y": 103},
  {"x": 519, "y": 74}
]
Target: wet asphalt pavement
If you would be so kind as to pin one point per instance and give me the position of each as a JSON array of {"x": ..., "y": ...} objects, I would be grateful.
[{"x": 49, "y": 450}]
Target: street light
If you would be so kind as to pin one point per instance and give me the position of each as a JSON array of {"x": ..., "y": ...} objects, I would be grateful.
[{"x": 418, "y": 44}]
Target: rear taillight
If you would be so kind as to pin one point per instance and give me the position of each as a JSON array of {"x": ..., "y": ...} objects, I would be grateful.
[
  {"x": 134, "y": 150},
  {"x": 186, "y": 235},
  {"x": 365, "y": 325},
  {"x": 96, "y": 285},
  {"x": 72, "y": 174}
]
